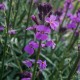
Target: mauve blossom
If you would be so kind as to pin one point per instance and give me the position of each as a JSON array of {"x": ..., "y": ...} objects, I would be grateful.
[
  {"x": 78, "y": 13},
  {"x": 52, "y": 21},
  {"x": 44, "y": 9},
  {"x": 68, "y": 4},
  {"x": 59, "y": 12},
  {"x": 26, "y": 79},
  {"x": 32, "y": 28},
  {"x": 2, "y": 6},
  {"x": 1, "y": 28},
  {"x": 76, "y": 34},
  {"x": 42, "y": 32},
  {"x": 50, "y": 43},
  {"x": 74, "y": 18},
  {"x": 28, "y": 63},
  {"x": 25, "y": 75},
  {"x": 12, "y": 32},
  {"x": 31, "y": 47},
  {"x": 34, "y": 18},
  {"x": 42, "y": 64},
  {"x": 71, "y": 25}
]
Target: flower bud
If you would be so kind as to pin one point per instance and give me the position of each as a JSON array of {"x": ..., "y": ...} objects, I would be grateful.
[
  {"x": 77, "y": 33},
  {"x": 34, "y": 19}
]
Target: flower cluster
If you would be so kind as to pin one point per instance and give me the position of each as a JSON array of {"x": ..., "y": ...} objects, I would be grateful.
[
  {"x": 12, "y": 32},
  {"x": 41, "y": 33},
  {"x": 1, "y": 28},
  {"x": 44, "y": 9},
  {"x": 25, "y": 76},
  {"x": 68, "y": 4},
  {"x": 2, "y": 6},
  {"x": 74, "y": 20},
  {"x": 48, "y": 22}
]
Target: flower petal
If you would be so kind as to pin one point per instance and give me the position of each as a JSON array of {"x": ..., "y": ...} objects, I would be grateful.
[
  {"x": 47, "y": 19},
  {"x": 52, "y": 17},
  {"x": 29, "y": 50},
  {"x": 38, "y": 35},
  {"x": 54, "y": 25},
  {"x": 44, "y": 37},
  {"x": 26, "y": 79}
]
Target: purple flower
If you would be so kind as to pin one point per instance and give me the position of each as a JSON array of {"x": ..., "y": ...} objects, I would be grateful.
[
  {"x": 72, "y": 25},
  {"x": 52, "y": 21},
  {"x": 31, "y": 47},
  {"x": 32, "y": 28},
  {"x": 2, "y": 6},
  {"x": 68, "y": 4},
  {"x": 74, "y": 18},
  {"x": 25, "y": 75},
  {"x": 58, "y": 12},
  {"x": 78, "y": 13},
  {"x": 1, "y": 28},
  {"x": 42, "y": 32},
  {"x": 12, "y": 32},
  {"x": 79, "y": 0},
  {"x": 42, "y": 64},
  {"x": 76, "y": 34},
  {"x": 26, "y": 79},
  {"x": 35, "y": 19},
  {"x": 29, "y": 63},
  {"x": 44, "y": 9},
  {"x": 50, "y": 43}
]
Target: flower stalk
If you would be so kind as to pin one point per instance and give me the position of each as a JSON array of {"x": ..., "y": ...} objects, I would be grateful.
[
  {"x": 28, "y": 18},
  {"x": 75, "y": 65},
  {"x": 5, "y": 44},
  {"x": 17, "y": 10},
  {"x": 37, "y": 57}
]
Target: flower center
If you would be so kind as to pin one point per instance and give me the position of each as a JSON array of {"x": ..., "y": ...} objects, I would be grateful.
[
  {"x": 42, "y": 32},
  {"x": 31, "y": 46},
  {"x": 42, "y": 62},
  {"x": 51, "y": 21}
]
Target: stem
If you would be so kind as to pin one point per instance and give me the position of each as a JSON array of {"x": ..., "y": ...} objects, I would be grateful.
[
  {"x": 65, "y": 17},
  {"x": 5, "y": 44},
  {"x": 35, "y": 65},
  {"x": 75, "y": 66},
  {"x": 71, "y": 43},
  {"x": 48, "y": 0},
  {"x": 27, "y": 21},
  {"x": 17, "y": 10},
  {"x": 18, "y": 62},
  {"x": 76, "y": 6},
  {"x": 1, "y": 1},
  {"x": 62, "y": 24}
]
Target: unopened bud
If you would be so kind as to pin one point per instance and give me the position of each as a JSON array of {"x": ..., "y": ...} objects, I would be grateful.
[{"x": 34, "y": 19}]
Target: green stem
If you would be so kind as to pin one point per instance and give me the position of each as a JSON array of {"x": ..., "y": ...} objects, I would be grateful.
[
  {"x": 18, "y": 62},
  {"x": 28, "y": 18},
  {"x": 35, "y": 65},
  {"x": 5, "y": 44},
  {"x": 17, "y": 10},
  {"x": 71, "y": 43},
  {"x": 48, "y": 0},
  {"x": 62, "y": 24},
  {"x": 75, "y": 66},
  {"x": 76, "y": 6},
  {"x": 1, "y": 1},
  {"x": 65, "y": 17}
]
